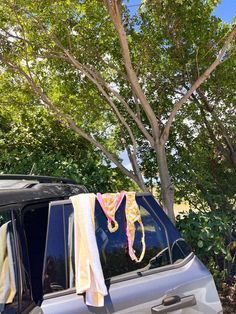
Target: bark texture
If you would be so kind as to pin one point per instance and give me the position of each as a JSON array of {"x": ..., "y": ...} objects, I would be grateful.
[{"x": 167, "y": 186}]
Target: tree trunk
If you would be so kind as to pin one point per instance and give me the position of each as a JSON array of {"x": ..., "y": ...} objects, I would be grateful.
[{"x": 167, "y": 187}]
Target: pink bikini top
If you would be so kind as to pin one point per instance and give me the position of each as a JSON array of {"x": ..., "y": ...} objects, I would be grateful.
[{"x": 110, "y": 202}]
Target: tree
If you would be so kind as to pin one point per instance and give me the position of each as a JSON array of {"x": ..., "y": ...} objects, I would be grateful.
[
  {"x": 33, "y": 142},
  {"x": 204, "y": 177},
  {"x": 110, "y": 77},
  {"x": 202, "y": 143}
]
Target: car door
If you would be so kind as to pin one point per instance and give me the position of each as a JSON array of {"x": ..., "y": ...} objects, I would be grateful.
[{"x": 170, "y": 278}]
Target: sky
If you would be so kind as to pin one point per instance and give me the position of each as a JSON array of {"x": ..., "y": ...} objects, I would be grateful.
[{"x": 226, "y": 10}]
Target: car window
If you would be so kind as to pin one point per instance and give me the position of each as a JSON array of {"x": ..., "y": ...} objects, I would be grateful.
[
  {"x": 23, "y": 263},
  {"x": 113, "y": 248},
  {"x": 179, "y": 249},
  {"x": 8, "y": 273},
  {"x": 55, "y": 263},
  {"x": 34, "y": 219}
]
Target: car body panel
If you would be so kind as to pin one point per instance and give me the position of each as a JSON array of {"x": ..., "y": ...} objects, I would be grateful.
[{"x": 140, "y": 295}]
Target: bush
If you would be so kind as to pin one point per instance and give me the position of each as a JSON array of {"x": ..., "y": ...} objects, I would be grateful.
[{"x": 212, "y": 236}]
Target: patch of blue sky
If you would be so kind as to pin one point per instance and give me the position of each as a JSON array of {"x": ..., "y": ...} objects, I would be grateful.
[
  {"x": 132, "y": 5},
  {"x": 226, "y": 10}
]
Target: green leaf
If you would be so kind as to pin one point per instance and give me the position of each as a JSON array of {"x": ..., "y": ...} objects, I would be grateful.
[{"x": 200, "y": 243}]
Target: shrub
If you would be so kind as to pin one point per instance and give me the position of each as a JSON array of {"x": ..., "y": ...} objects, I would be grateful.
[{"x": 212, "y": 236}]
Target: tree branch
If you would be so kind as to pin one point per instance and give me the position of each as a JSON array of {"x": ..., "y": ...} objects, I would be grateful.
[
  {"x": 127, "y": 107},
  {"x": 13, "y": 36},
  {"x": 231, "y": 155},
  {"x": 96, "y": 78},
  {"x": 198, "y": 82},
  {"x": 227, "y": 154},
  {"x": 114, "y": 7},
  {"x": 133, "y": 159},
  {"x": 69, "y": 121}
]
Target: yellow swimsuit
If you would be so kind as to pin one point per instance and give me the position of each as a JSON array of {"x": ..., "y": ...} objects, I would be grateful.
[
  {"x": 110, "y": 202},
  {"x": 133, "y": 215}
]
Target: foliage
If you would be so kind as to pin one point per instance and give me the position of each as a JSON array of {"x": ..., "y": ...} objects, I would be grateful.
[
  {"x": 69, "y": 54},
  {"x": 33, "y": 142},
  {"x": 198, "y": 153},
  {"x": 212, "y": 235},
  {"x": 196, "y": 160}
]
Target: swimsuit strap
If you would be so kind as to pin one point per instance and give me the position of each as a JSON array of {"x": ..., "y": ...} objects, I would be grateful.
[
  {"x": 112, "y": 223},
  {"x": 133, "y": 215},
  {"x": 130, "y": 236}
]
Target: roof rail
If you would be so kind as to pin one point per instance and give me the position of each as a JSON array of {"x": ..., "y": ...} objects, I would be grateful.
[{"x": 40, "y": 179}]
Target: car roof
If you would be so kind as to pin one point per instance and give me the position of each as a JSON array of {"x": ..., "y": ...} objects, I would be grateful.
[
  {"x": 20, "y": 189},
  {"x": 36, "y": 178}
]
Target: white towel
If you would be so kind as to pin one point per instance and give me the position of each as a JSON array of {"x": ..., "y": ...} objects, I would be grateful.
[
  {"x": 88, "y": 271},
  {"x": 7, "y": 272}
]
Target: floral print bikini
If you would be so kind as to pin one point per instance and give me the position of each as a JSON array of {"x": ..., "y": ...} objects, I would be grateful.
[{"x": 110, "y": 203}]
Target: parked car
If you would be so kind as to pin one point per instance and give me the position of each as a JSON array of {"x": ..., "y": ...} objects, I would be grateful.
[{"x": 36, "y": 216}]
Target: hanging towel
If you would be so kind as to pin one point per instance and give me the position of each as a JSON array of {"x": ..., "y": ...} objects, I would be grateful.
[
  {"x": 7, "y": 272},
  {"x": 88, "y": 271},
  {"x": 110, "y": 203}
]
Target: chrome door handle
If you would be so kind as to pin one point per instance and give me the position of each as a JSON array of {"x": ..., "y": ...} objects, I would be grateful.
[{"x": 173, "y": 303}]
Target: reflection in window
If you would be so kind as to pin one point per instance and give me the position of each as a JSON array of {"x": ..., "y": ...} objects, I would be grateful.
[
  {"x": 114, "y": 249},
  {"x": 180, "y": 249},
  {"x": 55, "y": 263},
  {"x": 24, "y": 269},
  {"x": 8, "y": 282}
]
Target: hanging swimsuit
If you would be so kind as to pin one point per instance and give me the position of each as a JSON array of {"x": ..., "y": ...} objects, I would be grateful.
[
  {"x": 110, "y": 202},
  {"x": 133, "y": 215}
]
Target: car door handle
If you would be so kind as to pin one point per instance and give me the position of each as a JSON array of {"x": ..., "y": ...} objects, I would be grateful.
[{"x": 173, "y": 303}]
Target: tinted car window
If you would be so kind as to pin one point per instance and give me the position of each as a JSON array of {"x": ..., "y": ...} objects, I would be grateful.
[
  {"x": 34, "y": 220},
  {"x": 179, "y": 249},
  {"x": 162, "y": 248},
  {"x": 56, "y": 257},
  {"x": 114, "y": 249},
  {"x": 23, "y": 263}
]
